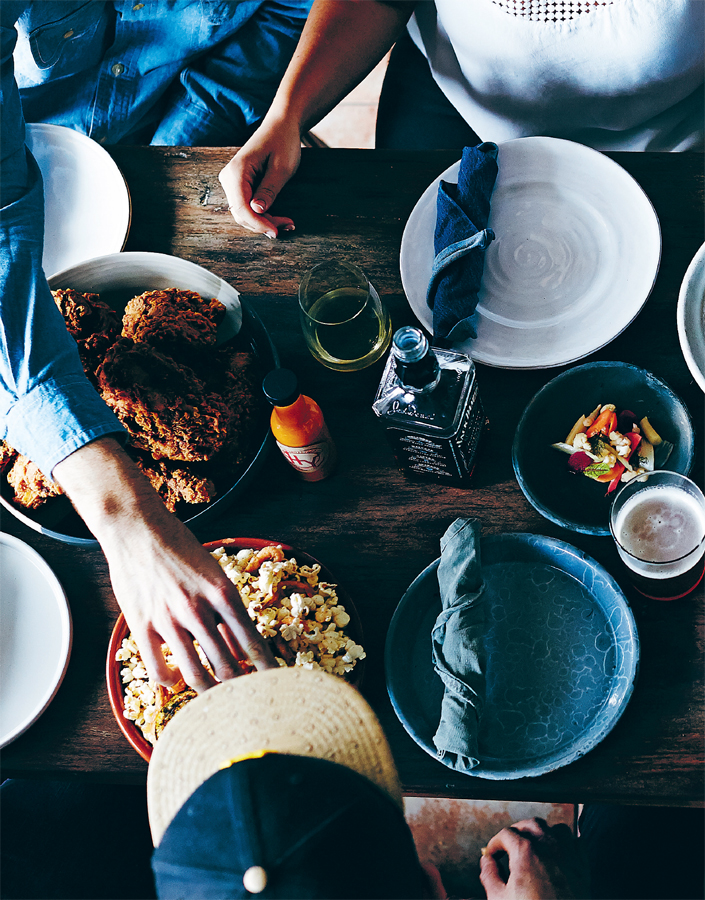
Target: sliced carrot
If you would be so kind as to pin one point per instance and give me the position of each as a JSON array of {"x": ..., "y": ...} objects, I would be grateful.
[
  {"x": 619, "y": 467},
  {"x": 603, "y": 424}
]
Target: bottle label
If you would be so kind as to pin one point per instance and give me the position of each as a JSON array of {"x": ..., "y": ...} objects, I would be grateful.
[
  {"x": 312, "y": 461},
  {"x": 443, "y": 458}
]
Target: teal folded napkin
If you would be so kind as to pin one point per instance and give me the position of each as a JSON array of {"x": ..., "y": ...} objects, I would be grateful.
[{"x": 458, "y": 649}]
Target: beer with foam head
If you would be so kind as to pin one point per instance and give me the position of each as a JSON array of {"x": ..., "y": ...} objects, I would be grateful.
[{"x": 658, "y": 523}]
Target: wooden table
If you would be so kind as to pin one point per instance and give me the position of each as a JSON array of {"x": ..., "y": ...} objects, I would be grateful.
[{"x": 372, "y": 527}]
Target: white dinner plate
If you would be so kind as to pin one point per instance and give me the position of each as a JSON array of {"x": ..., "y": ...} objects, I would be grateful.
[
  {"x": 691, "y": 317},
  {"x": 35, "y": 637},
  {"x": 576, "y": 254},
  {"x": 86, "y": 201}
]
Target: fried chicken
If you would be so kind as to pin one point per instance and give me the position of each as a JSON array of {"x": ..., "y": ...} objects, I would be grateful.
[
  {"x": 237, "y": 373},
  {"x": 86, "y": 314},
  {"x": 190, "y": 406},
  {"x": 175, "y": 483},
  {"x": 32, "y": 488},
  {"x": 164, "y": 405},
  {"x": 93, "y": 324},
  {"x": 8, "y": 455},
  {"x": 173, "y": 317}
]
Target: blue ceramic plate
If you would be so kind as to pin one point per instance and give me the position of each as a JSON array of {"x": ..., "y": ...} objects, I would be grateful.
[
  {"x": 562, "y": 656},
  {"x": 574, "y": 501}
]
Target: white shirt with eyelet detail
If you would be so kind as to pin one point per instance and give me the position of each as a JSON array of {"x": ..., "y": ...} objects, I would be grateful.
[{"x": 613, "y": 74}]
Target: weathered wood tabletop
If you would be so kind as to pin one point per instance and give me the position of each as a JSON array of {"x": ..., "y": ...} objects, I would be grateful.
[{"x": 373, "y": 528}]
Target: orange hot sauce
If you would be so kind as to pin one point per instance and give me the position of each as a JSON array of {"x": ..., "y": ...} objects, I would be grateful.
[{"x": 298, "y": 426}]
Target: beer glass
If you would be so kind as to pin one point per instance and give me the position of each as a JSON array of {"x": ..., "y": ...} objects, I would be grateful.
[
  {"x": 658, "y": 523},
  {"x": 346, "y": 325}
]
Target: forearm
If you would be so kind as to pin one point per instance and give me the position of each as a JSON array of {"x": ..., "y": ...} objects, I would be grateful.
[
  {"x": 169, "y": 587},
  {"x": 342, "y": 41},
  {"x": 108, "y": 490}
]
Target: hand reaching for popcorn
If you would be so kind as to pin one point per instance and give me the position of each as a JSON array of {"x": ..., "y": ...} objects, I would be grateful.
[{"x": 168, "y": 586}]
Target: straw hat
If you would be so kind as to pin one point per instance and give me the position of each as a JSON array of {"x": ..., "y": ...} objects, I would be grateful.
[{"x": 286, "y": 711}]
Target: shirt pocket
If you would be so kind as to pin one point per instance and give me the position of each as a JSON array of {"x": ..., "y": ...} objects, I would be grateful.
[{"x": 73, "y": 41}]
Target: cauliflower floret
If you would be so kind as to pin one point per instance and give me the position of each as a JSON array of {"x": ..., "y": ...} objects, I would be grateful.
[
  {"x": 580, "y": 441},
  {"x": 620, "y": 443}
]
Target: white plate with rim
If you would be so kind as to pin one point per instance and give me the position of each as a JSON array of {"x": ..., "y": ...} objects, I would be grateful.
[
  {"x": 576, "y": 254},
  {"x": 86, "y": 201},
  {"x": 691, "y": 317},
  {"x": 35, "y": 637}
]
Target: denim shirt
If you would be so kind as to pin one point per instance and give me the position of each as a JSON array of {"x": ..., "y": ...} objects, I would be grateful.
[{"x": 174, "y": 72}]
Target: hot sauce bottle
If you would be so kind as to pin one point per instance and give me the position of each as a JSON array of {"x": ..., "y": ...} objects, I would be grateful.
[{"x": 298, "y": 426}]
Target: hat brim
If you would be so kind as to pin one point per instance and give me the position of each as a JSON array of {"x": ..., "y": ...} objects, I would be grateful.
[{"x": 288, "y": 710}]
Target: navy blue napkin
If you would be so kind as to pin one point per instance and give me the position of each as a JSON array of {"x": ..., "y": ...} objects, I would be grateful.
[
  {"x": 458, "y": 649},
  {"x": 460, "y": 240}
]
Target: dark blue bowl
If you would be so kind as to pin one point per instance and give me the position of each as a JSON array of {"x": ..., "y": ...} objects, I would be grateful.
[{"x": 574, "y": 501}]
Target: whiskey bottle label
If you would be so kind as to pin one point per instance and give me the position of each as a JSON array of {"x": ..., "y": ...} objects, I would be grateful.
[{"x": 443, "y": 458}]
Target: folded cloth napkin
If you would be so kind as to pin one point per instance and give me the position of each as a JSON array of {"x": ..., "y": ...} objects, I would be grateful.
[
  {"x": 458, "y": 650},
  {"x": 460, "y": 240}
]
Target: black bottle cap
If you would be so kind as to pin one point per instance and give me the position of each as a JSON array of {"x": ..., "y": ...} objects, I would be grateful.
[{"x": 281, "y": 387}]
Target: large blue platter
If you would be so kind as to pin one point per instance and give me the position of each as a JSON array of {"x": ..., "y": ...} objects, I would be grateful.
[{"x": 562, "y": 656}]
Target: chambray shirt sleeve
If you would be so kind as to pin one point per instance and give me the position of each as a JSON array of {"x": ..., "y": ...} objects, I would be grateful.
[{"x": 48, "y": 408}]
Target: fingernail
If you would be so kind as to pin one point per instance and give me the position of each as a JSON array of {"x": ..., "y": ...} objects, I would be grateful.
[
  {"x": 271, "y": 234},
  {"x": 258, "y": 206},
  {"x": 288, "y": 227}
]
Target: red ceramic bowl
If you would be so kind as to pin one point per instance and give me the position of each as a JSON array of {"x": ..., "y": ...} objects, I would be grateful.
[{"x": 232, "y": 545}]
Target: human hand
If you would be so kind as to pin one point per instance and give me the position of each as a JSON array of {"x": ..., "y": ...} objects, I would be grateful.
[
  {"x": 544, "y": 863},
  {"x": 169, "y": 587},
  {"x": 258, "y": 171}
]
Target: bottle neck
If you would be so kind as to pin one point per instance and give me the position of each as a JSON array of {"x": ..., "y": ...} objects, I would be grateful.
[
  {"x": 415, "y": 363},
  {"x": 297, "y": 424},
  {"x": 295, "y": 414}
]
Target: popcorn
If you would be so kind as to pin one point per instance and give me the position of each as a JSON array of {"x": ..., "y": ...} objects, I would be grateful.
[
  {"x": 142, "y": 698},
  {"x": 287, "y": 603},
  {"x": 309, "y": 620}
]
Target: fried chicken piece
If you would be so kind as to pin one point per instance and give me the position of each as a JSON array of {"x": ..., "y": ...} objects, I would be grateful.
[
  {"x": 93, "y": 324},
  {"x": 165, "y": 407},
  {"x": 172, "y": 317},
  {"x": 92, "y": 351},
  {"x": 86, "y": 314},
  {"x": 8, "y": 455},
  {"x": 239, "y": 378},
  {"x": 32, "y": 488},
  {"x": 175, "y": 483}
]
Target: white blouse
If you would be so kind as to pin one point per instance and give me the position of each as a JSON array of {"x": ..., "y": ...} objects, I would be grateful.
[{"x": 620, "y": 75}]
